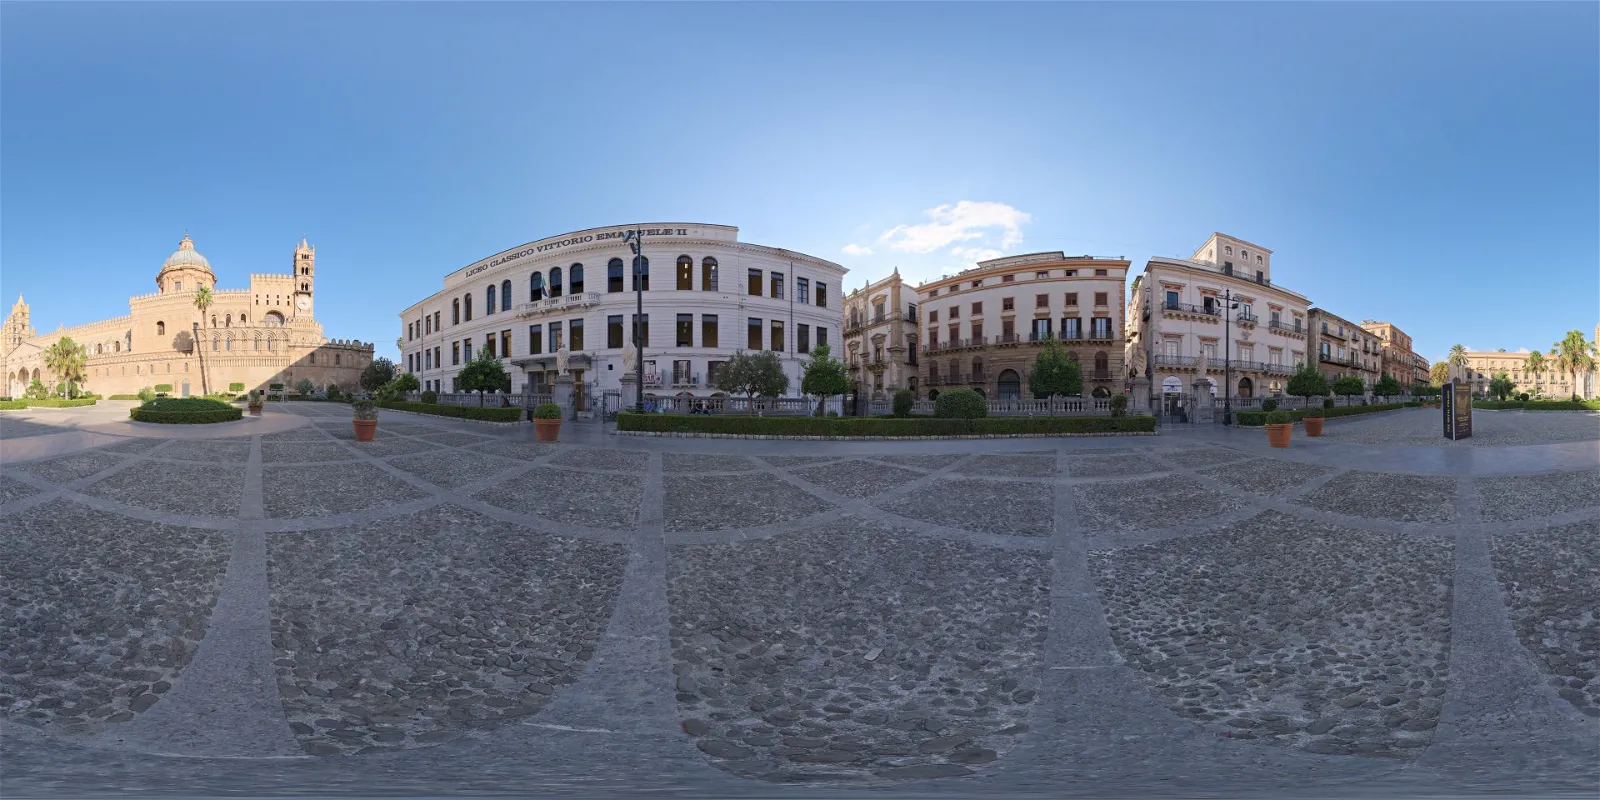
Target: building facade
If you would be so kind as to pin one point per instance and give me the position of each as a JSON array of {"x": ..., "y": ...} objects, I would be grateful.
[
  {"x": 982, "y": 328},
  {"x": 1345, "y": 348},
  {"x": 705, "y": 295},
  {"x": 1399, "y": 361},
  {"x": 258, "y": 336},
  {"x": 1217, "y": 313},
  {"x": 880, "y": 338},
  {"x": 1482, "y": 366}
]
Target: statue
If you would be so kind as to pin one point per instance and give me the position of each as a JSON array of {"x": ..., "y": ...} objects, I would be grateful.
[
  {"x": 563, "y": 356},
  {"x": 629, "y": 357},
  {"x": 1139, "y": 361},
  {"x": 1202, "y": 363}
]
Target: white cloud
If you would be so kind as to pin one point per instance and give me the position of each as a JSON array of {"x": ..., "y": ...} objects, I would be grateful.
[
  {"x": 857, "y": 250},
  {"x": 962, "y": 222},
  {"x": 972, "y": 255}
]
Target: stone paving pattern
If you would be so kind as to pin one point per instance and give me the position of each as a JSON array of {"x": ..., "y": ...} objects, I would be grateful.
[{"x": 456, "y": 605}]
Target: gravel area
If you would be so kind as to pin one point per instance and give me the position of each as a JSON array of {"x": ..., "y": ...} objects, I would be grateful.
[
  {"x": 858, "y": 479},
  {"x": 930, "y": 462},
  {"x": 1195, "y": 457},
  {"x": 1425, "y": 427},
  {"x": 451, "y": 469},
  {"x": 409, "y": 632},
  {"x": 102, "y": 612},
  {"x": 1552, "y": 584},
  {"x": 591, "y": 458},
  {"x": 685, "y": 463},
  {"x": 211, "y": 491},
  {"x": 854, "y": 651},
  {"x": 737, "y": 501},
  {"x": 1101, "y": 466},
  {"x": 297, "y": 452},
  {"x": 1266, "y": 475},
  {"x": 1385, "y": 495},
  {"x": 13, "y": 489},
  {"x": 131, "y": 446},
  {"x": 67, "y": 469},
  {"x": 1527, "y": 496},
  {"x": 579, "y": 498},
  {"x": 988, "y": 506},
  {"x": 446, "y": 438},
  {"x": 386, "y": 447},
  {"x": 215, "y": 450},
  {"x": 306, "y": 434},
  {"x": 798, "y": 461},
  {"x": 1288, "y": 631},
  {"x": 13, "y": 428},
  {"x": 334, "y": 489},
  {"x": 519, "y": 451},
  {"x": 1165, "y": 502},
  {"x": 1009, "y": 466}
]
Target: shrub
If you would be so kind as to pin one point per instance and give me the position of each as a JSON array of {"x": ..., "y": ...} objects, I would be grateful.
[
  {"x": 333, "y": 391},
  {"x": 1523, "y": 397},
  {"x": 463, "y": 412},
  {"x": 1278, "y": 418},
  {"x": 547, "y": 411},
  {"x": 185, "y": 411},
  {"x": 878, "y": 426},
  {"x": 430, "y": 396},
  {"x": 254, "y": 398},
  {"x": 1313, "y": 413},
  {"x": 13, "y": 405},
  {"x": 405, "y": 382},
  {"x": 1269, "y": 404},
  {"x": 365, "y": 409},
  {"x": 961, "y": 403},
  {"x": 903, "y": 401},
  {"x": 146, "y": 394},
  {"x": 1327, "y": 402},
  {"x": 62, "y": 402},
  {"x": 235, "y": 387},
  {"x": 163, "y": 388},
  {"x": 305, "y": 386},
  {"x": 1119, "y": 405}
]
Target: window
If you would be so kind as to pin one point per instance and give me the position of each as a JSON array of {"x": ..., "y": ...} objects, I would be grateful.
[
  {"x": 1071, "y": 328},
  {"x": 466, "y": 349},
  {"x": 933, "y": 315},
  {"x": 977, "y": 332},
  {"x": 685, "y": 273},
  {"x": 455, "y": 312},
  {"x": 575, "y": 279},
  {"x": 216, "y": 342},
  {"x": 436, "y": 360},
  {"x": 822, "y": 336},
  {"x": 1102, "y": 327},
  {"x": 977, "y": 284},
  {"x": 489, "y": 306},
  {"x": 1244, "y": 253},
  {"x": 1041, "y": 301},
  {"x": 1008, "y": 304},
  {"x": 1072, "y": 299},
  {"x": 777, "y": 286},
  {"x": 877, "y": 311},
  {"x": 1258, "y": 261},
  {"x": 535, "y": 287},
  {"x": 955, "y": 312},
  {"x": 714, "y": 371},
  {"x": 554, "y": 289},
  {"x": 641, "y": 327},
  {"x": 455, "y": 352},
  {"x": 614, "y": 331},
  {"x": 955, "y": 334},
  {"x": 488, "y": 344},
  {"x": 933, "y": 338},
  {"x": 822, "y": 295},
  {"x": 802, "y": 340},
  {"x": 575, "y": 334},
  {"x": 933, "y": 292},
  {"x": 977, "y": 309},
  {"x": 467, "y": 311},
  {"x": 1228, "y": 249},
  {"x": 505, "y": 295},
  {"x": 427, "y": 358},
  {"x": 1100, "y": 273},
  {"x": 1007, "y": 278},
  {"x": 685, "y": 330},
  {"x": 614, "y": 275},
  {"x": 802, "y": 290},
  {"x": 708, "y": 330},
  {"x": 177, "y": 286},
  {"x": 1172, "y": 299},
  {"x": 1042, "y": 274},
  {"x": 535, "y": 339},
  {"x": 1072, "y": 273},
  {"x": 708, "y": 274},
  {"x": 777, "y": 336},
  {"x": 752, "y": 334},
  {"x": 161, "y": 328},
  {"x": 555, "y": 336},
  {"x": 752, "y": 281},
  {"x": 1100, "y": 298},
  {"x": 1041, "y": 329},
  {"x": 1276, "y": 318},
  {"x": 641, "y": 274},
  {"x": 1008, "y": 330},
  {"x": 427, "y": 323}
]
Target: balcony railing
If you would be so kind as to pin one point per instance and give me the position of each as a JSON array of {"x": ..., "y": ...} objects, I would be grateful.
[
  {"x": 581, "y": 300},
  {"x": 1279, "y": 325},
  {"x": 1188, "y": 308},
  {"x": 1164, "y": 360},
  {"x": 1101, "y": 334},
  {"x": 685, "y": 380},
  {"x": 1247, "y": 318},
  {"x": 1007, "y": 338}
]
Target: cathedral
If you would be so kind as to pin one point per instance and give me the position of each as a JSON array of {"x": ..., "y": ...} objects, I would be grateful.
[{"x": 253, "y": 337}]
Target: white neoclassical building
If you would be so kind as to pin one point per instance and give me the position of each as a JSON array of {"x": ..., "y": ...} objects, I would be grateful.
[{"x": 706, "y": 295}]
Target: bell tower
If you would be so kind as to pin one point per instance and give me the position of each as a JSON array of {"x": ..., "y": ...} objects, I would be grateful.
[
  {"x": 17, "y": 328},
  {"x": 305, "y": 276}
]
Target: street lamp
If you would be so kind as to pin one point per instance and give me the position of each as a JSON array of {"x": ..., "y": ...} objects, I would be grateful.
[
  {"x": 635, "y": 240},
  {"x": 1227, "y": 356}
]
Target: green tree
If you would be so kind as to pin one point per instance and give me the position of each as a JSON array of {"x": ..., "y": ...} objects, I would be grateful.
[
  {"x": 1307, "y": 382},
  {"x": 66, "y": 359},
  {"x": 1573, "y": 355},
  {"x": 1387, "y": 387},
  {"x": 824, "y": 377},
  {"x": 1054, "y": 373},
  {"x": 1439, "y": 373},
  {"x": 203, "y": 298},
  {"x": 1535, "y": 366},
  {"x": 1458, "y": 355},
  {"x": 1348, "y": 386},
  {"x": 305, "y": 387},
  {"x": 484, "y": 373},
  {"x": 1500, "y": 386},
  {"x": 752, "y": 374},
  {"x": 405, "y": 382},
  {"x": 376, "y": 374}
]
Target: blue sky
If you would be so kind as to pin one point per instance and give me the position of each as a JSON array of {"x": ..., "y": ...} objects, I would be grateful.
[{"x": 1430, "y": 164}]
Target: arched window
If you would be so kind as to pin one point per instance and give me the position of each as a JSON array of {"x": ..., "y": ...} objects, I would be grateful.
[
  {"x": 468, "y": 309},
  {"x": 256, "y": 344},
  {"x": 1100, "y": 393},
  {"x": 555, "y": 281},
  {"x": 1009, "y": 385},
  {"x": 708, "y": 274},
  {"x": 128, "y": 341},
  {"x": 1101, "y": 364},
  {"x": 455, "y": 312},
  {"x": 274, "y": 319},
  {"x": 269, "y": 342},
  {"x": 161, "y": 328},
  {"x": 977, "y": 369},
  {"x": 575, "y": 279},
  {"x": 305, "y": 287},
  {"x": 227, "y": 320},
  {"x": 116, "y": 347},
  {"x": 641, "y": 274},
  {"x": 1247, "y": 387},
  {"x": 505, "y": 295},
  {"x": 955, "y": 371},
  {"x": 536, "y": 287},
  {"x": 213, "y": 320},
  {"x": 216, "y": 342},
  {"x": 227, "y": 344},
  {"x": 97, "y": 349},
  {"x": 243, "y": 320},
  {"x": 488, "y": 308},
  {"x": 614, "y": 275},
  {"x": 685, "y": 273}
]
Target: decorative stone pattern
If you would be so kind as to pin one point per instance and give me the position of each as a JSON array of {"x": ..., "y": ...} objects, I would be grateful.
[
  {"x": 928, "y": 462},
  {"x": 13, "y": 428},
  {"x": 133, "y": 446},
  {"x": 579, "y": 498},
  {"x": 320, "y": 491},
  {"x": 686, "y": 463},
  {"x": 1384, "y": 495},
  {"x": 302, "y": 452},
  {"x": 13, "y": 489},
  {"x": 1195, "y": 457},
  {"x": 1552, "y": 582},
  {"x": 1290, "y": 631},
  {"x": 857, "y": 479},
  {"x": 209, "y": 450},
  {"x": 1425, "y": 428},
  {"x": 856, "y": 650},
  {"x": 1008, "y": 466},
  {"x": 738, "y": 501},
  {"x": 1094, "y": 466},
  {"x": 450, "y": 469},
  {"x": 405, "y": 633},
  {"x": 986, "y": 506},
  {"x": 1526, "y": 496},
  {"x": 1165, "y": 502},
  {"x": 67, "y": 469},
  {"x": 213, "y": 491},
  {"x": 612, "y": 460},
  {"x": 1267, "y": 476},
  {"x": 101, "y": 613}
]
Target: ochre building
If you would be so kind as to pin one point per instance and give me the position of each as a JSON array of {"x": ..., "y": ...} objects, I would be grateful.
[{"x": 258, "y": 336}]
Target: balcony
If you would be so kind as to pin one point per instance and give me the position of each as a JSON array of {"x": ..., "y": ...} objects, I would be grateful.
[
  {"x": 565, "y": 302},
  {"x": 1288, "y": 330},
  {"x": 1246, "y": 318},
  {"x": 684, "y": 380},
  {"x": 1007, "y": 338},
  {"x": 933, "y": 379},
  {"x": 1164, "y": 360},
  {"x": 1100, "y": 375},
  {"x": 1102, "y": 335},
  {"x": 1186, "y": 308}
]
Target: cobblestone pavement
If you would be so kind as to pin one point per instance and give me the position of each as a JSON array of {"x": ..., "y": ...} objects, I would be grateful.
[
  {"x": 456, "y": 607},
  {"x": 1489, "y": 428}
]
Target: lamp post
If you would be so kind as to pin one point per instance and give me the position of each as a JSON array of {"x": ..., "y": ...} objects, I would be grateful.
[
  {"x": 1227, "y": 356},
  {"x": 635, "y": 240}
]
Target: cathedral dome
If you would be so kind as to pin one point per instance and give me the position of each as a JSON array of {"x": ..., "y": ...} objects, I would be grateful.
[{"x": 186, "y": 256}]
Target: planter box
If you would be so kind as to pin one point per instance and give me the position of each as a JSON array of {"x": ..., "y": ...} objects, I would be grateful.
[
  {"x": 546, "y": 430},
  {"x": 1313, "y": 426},
  {"x": 1278, "y": 435},
  {"x": 365, "y": 429}
]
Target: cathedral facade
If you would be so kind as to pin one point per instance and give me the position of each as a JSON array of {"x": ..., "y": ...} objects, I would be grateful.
[{"x": 258, "y": 336}]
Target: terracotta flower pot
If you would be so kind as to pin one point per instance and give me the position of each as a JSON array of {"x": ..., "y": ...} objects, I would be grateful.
[
  {"x": 1313, "y": 426},
  {"x": 546, "y": 430},
  {"x": 365, "y": 429},
  {"x": 255, "y": 411},
  {"x": 1278, "y": 435}
]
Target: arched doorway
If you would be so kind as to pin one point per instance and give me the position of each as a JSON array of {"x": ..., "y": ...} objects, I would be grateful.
[
  {"x": 933, "y": 394},
  {"x": 1100, "y": 393},
  {"x": 1246, "y": 388},
  {"x": 1009, "y": 385}
]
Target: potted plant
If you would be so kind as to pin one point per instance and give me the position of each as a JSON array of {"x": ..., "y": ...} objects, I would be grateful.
[
  {"x": 366, "y": 420},
  {"x": 1279, "y": 426},
  {"x": 547, "y": 422},
  {"x": 1313, "y": 420},
  {"x": 254, "y": 402}
]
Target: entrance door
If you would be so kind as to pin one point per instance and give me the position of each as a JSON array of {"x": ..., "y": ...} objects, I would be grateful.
[
  {"x": 1009, "y": 385},
  {"x": 185, "y": 389},
  {"x": 580, "y": 392}
]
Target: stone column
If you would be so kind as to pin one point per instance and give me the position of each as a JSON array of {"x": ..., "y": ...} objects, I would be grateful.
[
  {"x": 1200, "y": 401},
  {"x": 1140, "y": 399},
  {"x": 630, "y": 385},
  {"x": 561, "y": 395}
]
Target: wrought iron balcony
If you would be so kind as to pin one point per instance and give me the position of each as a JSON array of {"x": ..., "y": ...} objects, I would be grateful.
[
  {"x": 1246, "y": 318},
  {"x": 1187, "y": 308}
]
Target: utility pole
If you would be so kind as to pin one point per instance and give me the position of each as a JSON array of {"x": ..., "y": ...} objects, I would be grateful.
[
  {"x": 1227, "y": 357},
  {"x": 635, "y": 240}
]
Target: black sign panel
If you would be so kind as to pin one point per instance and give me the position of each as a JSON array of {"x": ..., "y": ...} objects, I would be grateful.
[{"x": 1456, "y": 402}]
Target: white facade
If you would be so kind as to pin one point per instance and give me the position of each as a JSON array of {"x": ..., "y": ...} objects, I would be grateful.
[{"x": 706, "y": 295}]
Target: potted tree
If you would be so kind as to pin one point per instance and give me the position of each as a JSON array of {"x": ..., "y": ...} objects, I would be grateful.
[
  {"x": 1313, "y": 420},
  {"x": 547, "y": 422},
  {"x": 253, "y": 402},
  {"x": 1279, "y": 426},
  {"x": 366, "y": 420}
]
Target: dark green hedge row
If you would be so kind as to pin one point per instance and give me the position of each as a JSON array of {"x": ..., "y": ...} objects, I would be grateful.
[
  {"x": 463, "y": 412},
  {"x": 1253, "y": 418},
  {"x": 186, "y": 417},
  {"x": 1538, "y": 405},
  {"x": 878, "y": 426},
  {"x": 13, "y": 405},
  {"x": 50, "y": 402}
]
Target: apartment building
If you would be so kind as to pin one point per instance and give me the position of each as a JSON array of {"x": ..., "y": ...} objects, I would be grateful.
[
  {"x": 880, "y": 337},
  {"x": 1399, "y": 362},
  {"x": 1345, "y": 348}
]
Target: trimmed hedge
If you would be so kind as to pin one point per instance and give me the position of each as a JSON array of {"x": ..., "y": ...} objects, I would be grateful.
[
  {"x": 1255, "y": 418},
  {"x": 13, "y": 405},
  {"x": 123, "y": 397},
  {"x": 463, "y": 412},
  {"x": 185, "y": 411},
  {"x": 1537, "y": 405},
  {"x": 878, "y": 426},
  {"x": 162, "y": 387},
  {"x": 49, "y": 402}
]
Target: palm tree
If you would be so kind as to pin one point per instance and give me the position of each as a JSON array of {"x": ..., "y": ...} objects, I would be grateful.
[
  {"x": 65, "y": 359},
  {"x": 202, "y": 300},
  {"x": 1572, "y": 355},
  {"x": 1535, "y": 366},
  {"x": 1458, "y": 358}
]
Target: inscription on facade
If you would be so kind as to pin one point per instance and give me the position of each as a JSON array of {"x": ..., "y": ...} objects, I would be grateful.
[{"x": 571, "y": 242}]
